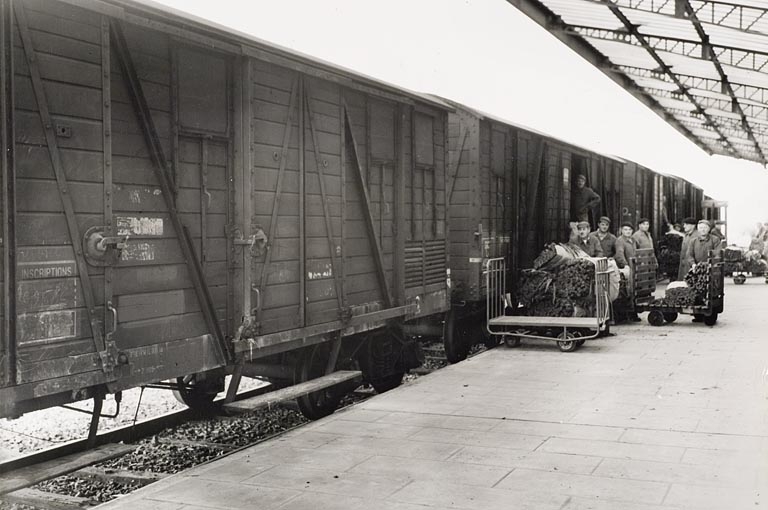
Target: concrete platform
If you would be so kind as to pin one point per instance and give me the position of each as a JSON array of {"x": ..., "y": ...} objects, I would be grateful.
[{"x": 674, "y": 417}]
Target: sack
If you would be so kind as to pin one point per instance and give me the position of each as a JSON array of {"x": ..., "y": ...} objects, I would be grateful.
[
  {"x": 614, "y": 280},
  {"x": 677, "y": 285},
  {"x": 555, "y": 255}
]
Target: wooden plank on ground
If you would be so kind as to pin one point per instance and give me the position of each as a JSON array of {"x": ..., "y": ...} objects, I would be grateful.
[
  {"x": 46, "y": 500},
  {"x": 292, "y": 392},
  {"x": 31, "y": 475},
  {"x": 122, "y": 476}
]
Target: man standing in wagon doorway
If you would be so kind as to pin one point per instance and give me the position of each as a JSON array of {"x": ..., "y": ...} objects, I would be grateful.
[{"x": 583, "y": 199}]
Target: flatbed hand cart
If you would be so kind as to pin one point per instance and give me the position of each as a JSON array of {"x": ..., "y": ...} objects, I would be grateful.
[
  {"x": 643, "y": 285},
  {"x": 735, "y": 263},
  {"x": 738, "y": 265},
  {"x": 569, "y": 332}
]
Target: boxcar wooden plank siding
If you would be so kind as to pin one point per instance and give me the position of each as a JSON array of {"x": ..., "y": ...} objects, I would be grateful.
[
  {"x": 336, "y": 246},
  {"x": 49, "y": 296}
]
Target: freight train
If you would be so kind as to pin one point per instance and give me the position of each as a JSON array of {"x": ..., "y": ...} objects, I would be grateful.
[{"x": 181, "y": 202}]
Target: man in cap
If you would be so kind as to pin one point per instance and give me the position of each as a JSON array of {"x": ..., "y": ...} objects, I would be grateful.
[
  {"x": 580, "y": 238},
  {"x": 701, "y": 245},
  {"x": 643, "y": 237},
  {"x": 699, "y": 248},
  {"x": 583, "y": 199},
  {"x": 626, "y": 246},
  {"x": 689, "y": 229},
  {"x": 606, "y": 239}
]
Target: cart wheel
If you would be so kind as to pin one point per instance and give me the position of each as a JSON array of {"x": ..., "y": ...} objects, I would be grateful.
[
  {"x": 512, "y": 341},
  {"x": 567, "y": 343},
  {"x": 739, "y": 279},
  {"x": 670, "y": 316},
  {"x": 710, "y": 320},
  {"x": 655, "y": 318}
]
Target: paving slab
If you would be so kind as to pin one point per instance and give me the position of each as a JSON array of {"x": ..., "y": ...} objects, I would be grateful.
[{"x": 655, "y": 418}]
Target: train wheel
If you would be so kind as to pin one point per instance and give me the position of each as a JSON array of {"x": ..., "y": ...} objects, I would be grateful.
[
  {"x": 670, "y": 316},
  {"x": 454, "y": 342},
  {"x": 382, "y": 361},
  {"x": 311, "y": 365},
  {"x": 655, "y": 318},
  {"x": 710, "y": 320},
  {"x": 567, "y": 342},
  {"x": 198, "y": 392}
]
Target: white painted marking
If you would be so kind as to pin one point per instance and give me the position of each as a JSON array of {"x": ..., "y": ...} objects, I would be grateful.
[{"x": 139, "y": 226}]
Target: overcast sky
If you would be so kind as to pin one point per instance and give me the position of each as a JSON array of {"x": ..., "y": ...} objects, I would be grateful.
[{"x": 486, "y": 54}]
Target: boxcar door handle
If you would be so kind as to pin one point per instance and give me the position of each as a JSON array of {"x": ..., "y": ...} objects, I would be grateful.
[
  {"x": 208, "y": 196},
  {"x": 113, "y": 310}
]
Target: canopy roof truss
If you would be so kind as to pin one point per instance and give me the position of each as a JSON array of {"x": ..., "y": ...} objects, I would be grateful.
[{"x": 702, "y": 65}]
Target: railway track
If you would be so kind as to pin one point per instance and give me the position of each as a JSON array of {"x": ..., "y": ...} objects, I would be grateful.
[{"x": 69, "y": 476}]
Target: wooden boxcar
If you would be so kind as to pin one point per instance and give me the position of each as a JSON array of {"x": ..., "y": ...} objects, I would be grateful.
[
  {"x": 180, "y": 201},
  {"x": 550, "y": 167},
  {"x": 640, "y": 198},
  {"x": 509, "y": 194}
]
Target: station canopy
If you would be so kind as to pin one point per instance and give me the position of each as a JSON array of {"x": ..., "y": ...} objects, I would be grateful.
[{"x": 702, "y": 65}]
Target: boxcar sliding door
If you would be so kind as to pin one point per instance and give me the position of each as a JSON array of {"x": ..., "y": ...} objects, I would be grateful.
[{"x": 203, "y": 169}]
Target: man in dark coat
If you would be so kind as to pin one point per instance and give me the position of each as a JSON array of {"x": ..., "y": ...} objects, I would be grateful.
[
  {"x": 580, "y": 238},
  {"x": 689, "y": 228},
  {"x": 626, "y": 247},
  {"x": 701, "y": 245},
  {"x": 583, "y": 199},
  {"x": 643, "y": 237},
  {"x": 606, "y": 239}
]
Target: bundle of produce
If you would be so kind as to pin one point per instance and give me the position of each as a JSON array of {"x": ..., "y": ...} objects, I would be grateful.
[
  {"x": 681, "y": 296},
  {"x": 575, "y": 279},
  {"x": 669, "y": 261},
  {"x": 558, "y": 307},
  {"x": 674, "y": 241},
  {"x": 562, "y": 307},
  {"x": 562, "y": 292},
  {"x": 533, "y": 286},
  {"x": 733, "y": 254},
  {"x": 756, "y": 267},
  {"x": 555, "y": 255},
  {"x": 698, "y": 280}
]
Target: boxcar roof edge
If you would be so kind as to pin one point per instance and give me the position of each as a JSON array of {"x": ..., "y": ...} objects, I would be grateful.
[{"x": 244, "y": 41}]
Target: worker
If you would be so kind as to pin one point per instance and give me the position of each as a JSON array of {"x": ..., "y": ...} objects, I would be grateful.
[
  {"x": 643, "y": 237},
  {"x": 606, "y": 239},
  {"x": 626, "y": 246},
  {"x": 583, "y": 199},
  {"x": 580, "y": 238},
  {"x": 702, "y": 244},
  {"x": 689, "y": 229}
]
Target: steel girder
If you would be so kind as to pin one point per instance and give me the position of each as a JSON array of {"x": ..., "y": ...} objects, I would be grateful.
[{"x": 716, "y": 12}]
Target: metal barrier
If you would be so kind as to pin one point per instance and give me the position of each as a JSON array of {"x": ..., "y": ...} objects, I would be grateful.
[{"x": 495, "y": 271}]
